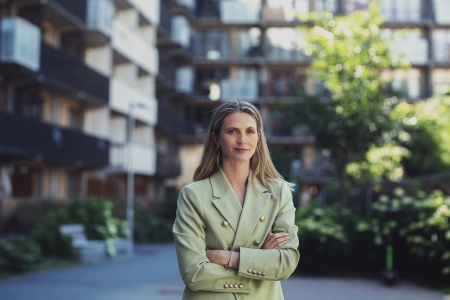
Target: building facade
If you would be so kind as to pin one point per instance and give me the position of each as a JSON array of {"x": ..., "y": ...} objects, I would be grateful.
[
  {"x": 78, "y": 106},
  {"x": 252, "y": 50}
]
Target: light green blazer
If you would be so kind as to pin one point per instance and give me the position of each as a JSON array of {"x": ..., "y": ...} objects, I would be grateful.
[{"x": 209, "y": 216}]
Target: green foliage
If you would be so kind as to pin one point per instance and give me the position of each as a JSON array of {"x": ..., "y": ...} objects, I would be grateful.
[
  {"x": 93, "y": 213},
  {"x": 383, "y": 162},
  {"x": 97, "y": 217},
  {"x": 18, "y": 255},
  {"x": 418, "y": 226},
  {"x": 322, "y": 239},
  {"x": 47, "y": 235},
  {"x": 426, "y": 134},
  {"x": 150, "y": 228}
]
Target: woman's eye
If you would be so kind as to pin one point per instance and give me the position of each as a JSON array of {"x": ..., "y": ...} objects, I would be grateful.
[{"x": 231, "y": 131}]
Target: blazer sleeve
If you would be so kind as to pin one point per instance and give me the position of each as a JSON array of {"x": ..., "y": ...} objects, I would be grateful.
[
  {"x": 274, "y": 264},
  {"x": 189, "y": 234}
]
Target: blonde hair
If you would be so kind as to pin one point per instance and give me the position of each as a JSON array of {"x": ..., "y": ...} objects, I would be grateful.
[{"x": 261, "y": 164}]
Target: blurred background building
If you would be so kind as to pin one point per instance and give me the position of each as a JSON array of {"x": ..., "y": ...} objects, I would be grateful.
[{"x": 86, "y": 83}]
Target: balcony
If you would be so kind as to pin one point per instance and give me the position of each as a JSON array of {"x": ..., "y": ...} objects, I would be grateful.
[
  {"x": 20, "y": 43},
  {"x": 134, "y": 48},
  {"x": 123, "y": 96},
  {"x": 144, "y": 158},
  {"x": 243, "y": 90},
  {"x": 401, "y": 11},
  {"x": 31, "y": 139},
  {"x": 148, "y": 9},
  {"x": 73, "y": 75},
  {"x": 413, "y": 48},
  {"x": 441, "y": 9}
]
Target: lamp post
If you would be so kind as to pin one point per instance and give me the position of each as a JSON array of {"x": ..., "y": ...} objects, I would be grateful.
[{"x": 130, "y": 175}]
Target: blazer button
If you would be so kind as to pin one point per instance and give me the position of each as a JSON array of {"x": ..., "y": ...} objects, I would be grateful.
[
  {"x": 259, "y": 273},
  {"x": 256, "y": 243},
  {"x": 225, "y": 286},
  {"x": 241, "y": 286},
  {"x": 224, "y": 224},
  {"x": 254, "y": 272},
  {"x": 249, "y": 270},
  {"x": 235, "y": 286},
  {"x": 262, "y": 219},
  {"x": 230, "y": 247},
  {"x": 263, "y": 274}
]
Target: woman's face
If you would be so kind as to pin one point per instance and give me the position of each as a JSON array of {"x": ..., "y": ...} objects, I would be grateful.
[{"x": 238, "y": 137}]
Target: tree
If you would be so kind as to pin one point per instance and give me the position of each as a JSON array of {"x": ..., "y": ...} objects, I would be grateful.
[{"x": 348, "y": 54}]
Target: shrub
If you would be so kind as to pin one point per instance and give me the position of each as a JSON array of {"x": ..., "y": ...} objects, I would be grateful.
[
  {"x": 150, "y": 228},
  {"x": 323, "y": 241},
  {"x": 18, "y": 255},
  {"x": 47, "y": 235}
]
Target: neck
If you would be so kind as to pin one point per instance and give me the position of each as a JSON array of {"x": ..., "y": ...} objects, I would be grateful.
[{"x": 237, "y": 173}]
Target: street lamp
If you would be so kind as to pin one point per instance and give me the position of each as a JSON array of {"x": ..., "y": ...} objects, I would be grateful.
[{"x": 130, "y": 174}]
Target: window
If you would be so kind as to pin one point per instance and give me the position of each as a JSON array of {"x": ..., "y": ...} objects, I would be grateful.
[{"x": 441, "y": 46}]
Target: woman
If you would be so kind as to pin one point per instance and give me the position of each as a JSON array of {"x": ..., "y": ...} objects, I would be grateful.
[{"x": 234, "y": 232}]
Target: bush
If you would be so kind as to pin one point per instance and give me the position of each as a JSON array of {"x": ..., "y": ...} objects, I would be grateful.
[
  {"x": 47, "y": 235},
  {"x": 18, "y": 255},
  {"x": 323, "y": 241},
  {"x": 150, "y": 228},
  {"x": 418, "y": 228}
]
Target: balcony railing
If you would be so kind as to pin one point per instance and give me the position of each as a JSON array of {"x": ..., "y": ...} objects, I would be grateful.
[
  {"x": 32, "y": 139},
  {"x": 245, "y": 90},
  {"x": 168, "y": 120},
  {"x": 20, "y": 43},
  {"x": 73, "y": 74}
]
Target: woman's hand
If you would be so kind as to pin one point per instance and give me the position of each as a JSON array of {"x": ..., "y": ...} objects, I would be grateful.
[
  {"x": 219, "y": 257},
  {"x": 222, "y": 257},
  {"x": 276, "y": 240}
]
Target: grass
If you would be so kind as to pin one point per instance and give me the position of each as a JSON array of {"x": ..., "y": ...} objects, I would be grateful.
[{"x": 43, "y": 265}]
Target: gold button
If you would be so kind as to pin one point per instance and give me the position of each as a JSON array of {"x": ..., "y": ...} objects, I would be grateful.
[
  {"x": 262, "y": 219},
  {"x": 254, "y": 272},
  {"x": 256, "y": 243},
  {"x": 259, "y": 273},
  {"x": 249, "y": 270},
  {"x": 225, "y": 286},
  {"x": 241, "y": 286},
  {"x": 224, "y": 224},
  {"x": 230, "y": 247},
  {"x": 263, "y": 274},
  {"x": 235, "y": 286}
]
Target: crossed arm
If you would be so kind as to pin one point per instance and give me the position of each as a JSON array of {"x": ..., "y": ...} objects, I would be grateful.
[{"x": 222, "y": 257}]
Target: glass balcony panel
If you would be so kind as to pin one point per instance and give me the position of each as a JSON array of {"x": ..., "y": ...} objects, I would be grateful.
[
  {"x": 184, "y": 79},
  {"x": 441, "y": 82},
  {"x": 240, "y": 11},
  {"x": 354, "y": 5},
  {"x": 20, "y": 42},
  {"x": 401, "y": 10},
  {"x": 441, "y": 46},
  {"x": 285, "y": 10},
  {"x": 410, "y": 44},
  {"x": 285, "y": 44},
  {"x": 406, "y": 82},
  {"x": 441, "y": 9},
  {"x": 100, "y": 14},
  {"x": 181, "y": 31}
]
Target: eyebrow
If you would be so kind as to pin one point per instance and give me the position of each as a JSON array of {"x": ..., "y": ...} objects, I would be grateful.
[{"x": 238, "y": 128}]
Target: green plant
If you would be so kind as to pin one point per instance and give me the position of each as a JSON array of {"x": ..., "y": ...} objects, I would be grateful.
[
  {"x": 19, "y": 255},
  {"x": 323, "y": 241},
  {"x": 47, "y": 235},
  {"x": 150, "y": 228}
]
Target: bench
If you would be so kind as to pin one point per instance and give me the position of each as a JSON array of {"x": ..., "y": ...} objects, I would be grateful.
[{"x": 87, "y": 251}]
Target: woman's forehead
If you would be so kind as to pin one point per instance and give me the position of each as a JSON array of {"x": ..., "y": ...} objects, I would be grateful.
[{"x": 240, "y": 119}]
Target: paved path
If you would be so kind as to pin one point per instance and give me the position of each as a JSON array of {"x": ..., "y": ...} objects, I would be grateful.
[{"x": 152, "y": 274}]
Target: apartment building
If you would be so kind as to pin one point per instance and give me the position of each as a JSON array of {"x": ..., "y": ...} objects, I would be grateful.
[
  {"x": 252, "y": 50},
  {"x": 78, "y": 105}
]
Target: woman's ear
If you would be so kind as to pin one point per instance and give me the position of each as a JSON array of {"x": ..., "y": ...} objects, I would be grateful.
[{"x": 215, "y": 139}]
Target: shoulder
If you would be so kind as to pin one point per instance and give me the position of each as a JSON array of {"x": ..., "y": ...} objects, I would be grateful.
[
  {"x": 281, "y": 190},
  {"x": 196, "y": 188}
]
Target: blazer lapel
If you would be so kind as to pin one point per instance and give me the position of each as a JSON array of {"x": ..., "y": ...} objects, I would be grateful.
[
  {"x": 225, "y": 199},
  {"x": 256, "y": 198}
]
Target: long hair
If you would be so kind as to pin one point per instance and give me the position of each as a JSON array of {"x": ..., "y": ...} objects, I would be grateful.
[{"x": 261, "y": 164}]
